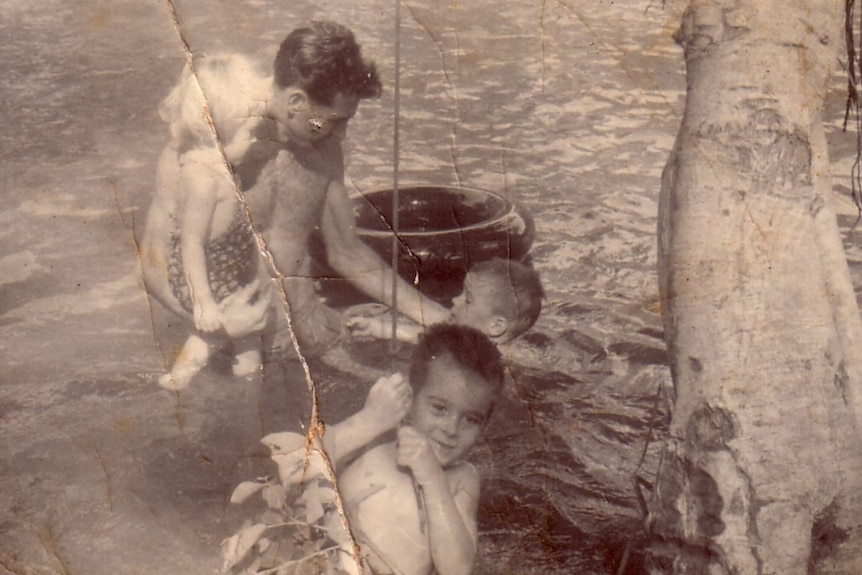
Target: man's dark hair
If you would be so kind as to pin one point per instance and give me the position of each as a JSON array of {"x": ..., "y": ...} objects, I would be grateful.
[
  {"x": 469, "y": 348},
  {"x": 323, "y": 59}
]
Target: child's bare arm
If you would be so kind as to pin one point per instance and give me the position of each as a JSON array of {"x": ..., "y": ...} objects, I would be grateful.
[
  {"x": 380, "y": 327},
  {"x": 198, "y": 201},
  {"x": 451, "y": 518},
  {"x": 387, "y": 404}
]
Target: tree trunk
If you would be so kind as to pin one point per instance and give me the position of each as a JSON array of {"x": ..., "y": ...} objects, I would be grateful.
[{"x": 763, "y": 471}]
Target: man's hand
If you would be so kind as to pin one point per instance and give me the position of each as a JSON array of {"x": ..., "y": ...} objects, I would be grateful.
[{"x": 245, "y": 311}]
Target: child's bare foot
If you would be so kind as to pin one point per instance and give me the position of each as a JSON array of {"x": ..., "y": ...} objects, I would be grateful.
[
  {"x": 247, "y": 362},
  {"x": 194, "y": 356},
  {"x": 180, "y": 378}
]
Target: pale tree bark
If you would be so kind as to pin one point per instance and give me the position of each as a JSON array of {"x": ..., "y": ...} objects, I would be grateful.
[{"x": 763, "y": 469}]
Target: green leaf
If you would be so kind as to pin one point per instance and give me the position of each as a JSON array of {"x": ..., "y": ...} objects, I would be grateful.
[
  {"x": 263, "y": 544},
  {"x": 301, "y": 465},
  {"x": 290, "y": 466},
  {"x": 326, "y": 493},
  {"x": 284, "y": 442},
  {"x": 336, "y": 529},
  {"x": 313, "y": 503},
  {"x": 274, "y": 496},
  {"x": 245, "y": 490},
  {"x": 317, "y": 466},
  {"x": 235, "y": 548},
  {"x": 271, "y": 517}
]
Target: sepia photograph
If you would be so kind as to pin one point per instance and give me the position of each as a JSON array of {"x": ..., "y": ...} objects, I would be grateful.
[{"x": 414, "y": 287}]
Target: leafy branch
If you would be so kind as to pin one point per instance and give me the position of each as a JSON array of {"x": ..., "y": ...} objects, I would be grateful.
[{"x": 301, "y": 527}]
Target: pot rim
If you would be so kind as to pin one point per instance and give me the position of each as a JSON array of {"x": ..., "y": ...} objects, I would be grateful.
[{"x": 509, "y": 210}]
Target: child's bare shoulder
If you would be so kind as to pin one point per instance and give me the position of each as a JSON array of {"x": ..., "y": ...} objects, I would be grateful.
[
  {"x": 206, "y": 155},
  {"x": 203, "y": 161},
  {"x": 464, "y": 477}
]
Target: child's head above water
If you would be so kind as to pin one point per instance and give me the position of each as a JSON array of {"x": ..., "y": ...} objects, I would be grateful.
[
  {"x": 456, "y": 375},
  {"x": 502, "y": 298},
  {"x": 227, "y": 89}
]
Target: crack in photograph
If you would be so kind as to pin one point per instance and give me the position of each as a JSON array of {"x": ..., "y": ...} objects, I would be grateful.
[{"x": 418, "y": 287}]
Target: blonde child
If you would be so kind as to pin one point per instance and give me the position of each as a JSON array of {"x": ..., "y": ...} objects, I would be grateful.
[
  {"x": 288, "y": 161},
  {"x": 197, "y": 223}
]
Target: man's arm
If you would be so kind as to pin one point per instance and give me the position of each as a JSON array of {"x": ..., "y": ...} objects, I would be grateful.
[{"x": 359, "y": 264}]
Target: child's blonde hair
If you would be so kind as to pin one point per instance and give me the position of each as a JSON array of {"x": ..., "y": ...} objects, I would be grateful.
[{"x": 226, "y": 90}]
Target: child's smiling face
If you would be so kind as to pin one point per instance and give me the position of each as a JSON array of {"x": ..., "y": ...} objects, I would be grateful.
[{"x": 451, "y": 409}]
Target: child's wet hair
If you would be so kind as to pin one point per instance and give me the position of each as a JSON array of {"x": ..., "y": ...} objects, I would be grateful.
[
  {"x": 521, "y": 300},
  {"x": 323, "y": 59},
  {"x": 469, "y": 348},
  {"x": 224, "y": 89}
]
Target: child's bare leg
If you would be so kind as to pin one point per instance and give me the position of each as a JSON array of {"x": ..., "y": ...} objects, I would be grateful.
[
  {"x": 193, "y": 356},
  {"x": 247, "y": 358}
]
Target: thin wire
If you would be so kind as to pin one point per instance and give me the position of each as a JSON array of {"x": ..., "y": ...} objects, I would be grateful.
[
  {"x": 853, "y": 104},
  {"x": 393, "y": 343}
]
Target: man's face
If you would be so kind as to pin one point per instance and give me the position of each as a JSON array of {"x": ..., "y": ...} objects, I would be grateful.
[
  {"x": 308, "y": 122},
  {"x": 451, "y": 409}
]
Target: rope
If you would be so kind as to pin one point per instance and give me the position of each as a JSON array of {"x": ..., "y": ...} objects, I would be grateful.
[
  {"x": 853, "y": 104},
  {"x": 393, "y": 343}
]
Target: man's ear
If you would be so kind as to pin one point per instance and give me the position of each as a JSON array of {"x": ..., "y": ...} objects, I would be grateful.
[
  {"x": 297, "y": 101},
  {"x": 497, "y": 326}
]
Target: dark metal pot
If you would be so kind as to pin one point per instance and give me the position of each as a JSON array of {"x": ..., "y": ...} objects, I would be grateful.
[{"x": 443, "y": 230}]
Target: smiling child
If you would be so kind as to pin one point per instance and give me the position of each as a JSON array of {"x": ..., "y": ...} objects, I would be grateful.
[{"x": 411, "y": 497}]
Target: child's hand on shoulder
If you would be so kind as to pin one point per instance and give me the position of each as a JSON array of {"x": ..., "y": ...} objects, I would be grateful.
[
  {"x": 414, "y": 452},
  {"x": 207, "y": 316},
  {"x": 388, "y": 401}
]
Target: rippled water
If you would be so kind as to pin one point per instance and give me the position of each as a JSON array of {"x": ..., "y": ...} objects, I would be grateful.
[
  {"x": 571, "y": 113},
  {"x": 567, "y": 107}
]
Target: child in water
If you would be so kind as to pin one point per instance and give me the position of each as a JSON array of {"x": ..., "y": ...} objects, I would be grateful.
[
  {"x": 410, "y": 496},
  {"x": 197, "y": 217},
  {"x": 501, "y": 298}
]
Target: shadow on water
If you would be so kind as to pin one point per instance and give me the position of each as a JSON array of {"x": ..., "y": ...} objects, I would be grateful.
[{"x": 553, "y": 500}]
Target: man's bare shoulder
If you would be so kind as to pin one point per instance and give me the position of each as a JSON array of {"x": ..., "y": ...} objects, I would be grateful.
[{"x": 323, "y": 158}]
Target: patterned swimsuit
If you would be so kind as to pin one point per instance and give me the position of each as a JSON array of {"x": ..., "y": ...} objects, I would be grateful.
[{"x": 231, "y": 262}]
